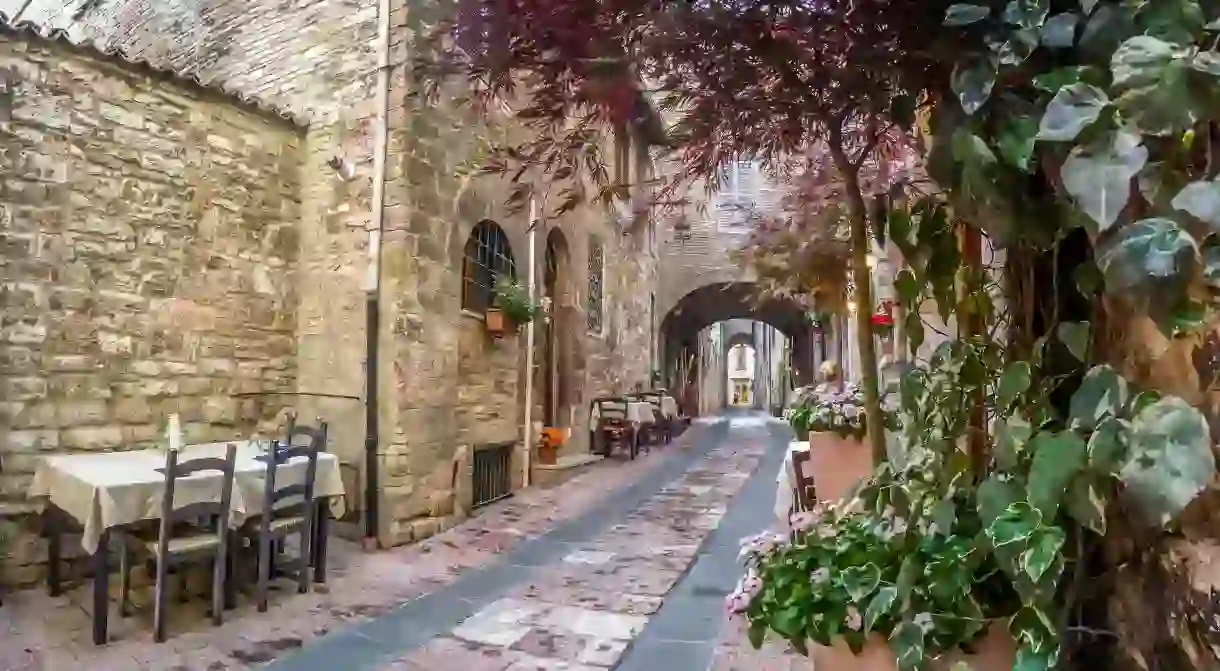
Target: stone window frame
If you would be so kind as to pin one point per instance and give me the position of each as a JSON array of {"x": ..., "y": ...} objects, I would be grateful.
[
  {"x": 486, "y": 257},
  {"x": 595, "y": 302}
]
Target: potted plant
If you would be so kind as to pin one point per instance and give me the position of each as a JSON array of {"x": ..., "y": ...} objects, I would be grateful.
[
  {"x": 511, "y": 307},
  {"x": 836, "y": 429},
  {"x": 548, "y": 446},
  {"x": 799, "y": 419}
]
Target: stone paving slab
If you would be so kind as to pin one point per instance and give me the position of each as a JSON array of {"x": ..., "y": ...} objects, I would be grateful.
[
  {"x": 41, "y": 633},
  {"x": 587, "y": 609}
]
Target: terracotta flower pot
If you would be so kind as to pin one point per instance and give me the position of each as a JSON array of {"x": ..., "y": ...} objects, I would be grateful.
[
  {"x": 996, "y": 651},
  {"x": 496, "y": 323},
  {"x": 837, "y": 464}
]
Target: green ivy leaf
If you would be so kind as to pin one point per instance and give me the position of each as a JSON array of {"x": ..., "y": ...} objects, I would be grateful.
[
  {"x": 860, "y": 581},
  {"x": 1011, "y": 437},
  {"x": 1207, "y": 62},
  {"x": 1074, "y": 108},
  {"x": 1140, "y": 61},
  {"x": 964, "y": 14},
  {"x": 1054, "y": 80},
  {"x": 1029, "y": 660},
  {"x": 912, "y": 327},
  {"x": 757, "y": 632},
  {"x": 1019, "y": 46},
  {"x": 1108, "y": 446},
  {"x": 1165, "y": 107},
  {"x": 995, "y": 495},
  {"x": 1201, "y": 200},
  {"x": 879, "y": 606},
  {"x": 1015, "y": 525},
  {"x": 1156, "y": 248},
  {"x": 1171, "y": 458},
  {"x": 1087, "y": 6},
  {"x": 1102, "y": 393},
  {"x": 1044, "y": 546},
  {"x": 1176, "y": 21},
  {"x": 1100, "y": 181},
  {"x": 1088, "y": 279},
  {"x": 1106, "y": 29},
  {"x": 1014, "y": 382},
  {"x": 1026, "y": 13},
  {"x": 972, "y": 84},
  {"x": 1060, "y": 31},
  {"x": 907, "y": 642},
  {"x": 1032, "y": 627},
  {"x": 1209, "y": 256},
  {"x": 1075, "y": 336},
  {"x": 1186, "y": 317},
  {"x": 907, "y": 287},
  {"x": 1058, "y": 457},
  {"x": 1086, "y": 505},
  {"x": 1016, "y": 141}
]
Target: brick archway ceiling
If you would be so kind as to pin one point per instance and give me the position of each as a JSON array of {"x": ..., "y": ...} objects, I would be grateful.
[
  {"x": 746, "y": 339},
  {"x": 733, "y": 300}
]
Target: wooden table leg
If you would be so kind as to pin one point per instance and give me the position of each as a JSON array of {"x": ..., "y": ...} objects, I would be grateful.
[
  {"x": 101, "y": 588},
  {"x": 321, "y": 534},
  {"x": 54, "y": 531}
]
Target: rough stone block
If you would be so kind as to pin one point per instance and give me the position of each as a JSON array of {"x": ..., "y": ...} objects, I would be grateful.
[{"x": 92, "y": 437}]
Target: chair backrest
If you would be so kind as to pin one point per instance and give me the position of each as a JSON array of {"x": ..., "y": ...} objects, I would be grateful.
[
  {"x": 610, "y": 407},
  {"x": 291, "y": 447},
  {"x": 215, "y": 511},
  {"x": 804, "y": 493}
]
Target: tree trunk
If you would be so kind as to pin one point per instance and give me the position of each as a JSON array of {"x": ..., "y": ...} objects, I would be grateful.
[{"x": 875, "y": 421}]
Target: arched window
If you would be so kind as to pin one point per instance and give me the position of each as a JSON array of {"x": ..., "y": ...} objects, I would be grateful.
[{"x": 486, "y": 259}]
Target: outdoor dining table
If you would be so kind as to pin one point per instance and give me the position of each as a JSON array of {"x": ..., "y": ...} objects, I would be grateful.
[
  {"x": 640, "y": 412},
  {"x": 107, "y": 491},
  {"x": 669, "y": 407}
]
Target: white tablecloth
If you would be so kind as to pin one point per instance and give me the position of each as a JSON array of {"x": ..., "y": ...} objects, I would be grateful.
[
  {"x": 784, "y": 484},
  {"x": 111, "y": 489},
  {"x": 640, "y": 412},
  {"x": 669, "y": 407}
]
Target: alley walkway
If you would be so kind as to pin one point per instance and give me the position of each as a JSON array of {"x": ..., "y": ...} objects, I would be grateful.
[{"x": 624, "y": 567}]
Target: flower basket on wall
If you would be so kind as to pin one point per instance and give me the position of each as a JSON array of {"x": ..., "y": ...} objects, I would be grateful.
[
  {"x": 511, "y": 308},
  {"x": 496, "y": 323}
]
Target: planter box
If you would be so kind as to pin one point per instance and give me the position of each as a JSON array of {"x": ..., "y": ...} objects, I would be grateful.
[
  {"x": 496, "y": 322},
  {"x": 996, "y": 651},
  {"x": 837, "y": 464}
]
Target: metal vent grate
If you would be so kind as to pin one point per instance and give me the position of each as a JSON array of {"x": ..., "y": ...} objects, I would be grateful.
[{"x": 492, "y": 473}]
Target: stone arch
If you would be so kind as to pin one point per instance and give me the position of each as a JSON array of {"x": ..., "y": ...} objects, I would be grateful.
[{"x": 716, "y": 302}]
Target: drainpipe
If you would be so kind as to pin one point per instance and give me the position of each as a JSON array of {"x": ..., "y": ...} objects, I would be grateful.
[
  {"x": 529, "y": 349},
  {"x": 372, "y": 279}
]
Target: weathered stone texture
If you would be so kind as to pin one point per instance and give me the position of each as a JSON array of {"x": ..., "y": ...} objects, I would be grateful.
[
  {"x": 149, "y": 256},
  {"x": 313, "y": 57}
]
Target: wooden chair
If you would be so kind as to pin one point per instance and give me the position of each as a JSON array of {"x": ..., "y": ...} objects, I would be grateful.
[
  {"x": 804, "y": 493},
  {"x": 611, "y": 427},
  {"x": 279, "y": 521},
  {"x": 179, "y": 542}
]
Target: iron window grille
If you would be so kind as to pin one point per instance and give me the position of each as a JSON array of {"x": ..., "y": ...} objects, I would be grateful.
[
  {"x": 595, "y": 302},
  {"x": 487, "y": 258},
  {"x": 492, "y": 473}
]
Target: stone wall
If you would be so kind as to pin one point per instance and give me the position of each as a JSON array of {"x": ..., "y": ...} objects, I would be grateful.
[{"x": 149, "y": 257}]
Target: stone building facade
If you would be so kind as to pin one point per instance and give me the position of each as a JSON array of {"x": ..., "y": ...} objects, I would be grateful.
[{"x": 176, "y": 239}]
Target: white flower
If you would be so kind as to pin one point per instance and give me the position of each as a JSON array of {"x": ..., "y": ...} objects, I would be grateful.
[
  {"x": 804, "y": 521},
  {"x": 854, "y": 621}
]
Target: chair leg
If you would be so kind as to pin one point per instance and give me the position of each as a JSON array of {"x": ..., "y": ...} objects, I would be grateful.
[
  {"x": 161, "y": 602},
  {"x": 232, "y": 571},
  {"x": 219, "y": 591},
  {"x": 303, "y": 573},
  {"x": 264, "y": 572},
  {"x": 124, "y": 578}
]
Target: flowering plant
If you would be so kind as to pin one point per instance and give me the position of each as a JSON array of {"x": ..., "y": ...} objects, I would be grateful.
[
  {"x": 838, "y": 411},
  {"x": 851, "y": 571}
]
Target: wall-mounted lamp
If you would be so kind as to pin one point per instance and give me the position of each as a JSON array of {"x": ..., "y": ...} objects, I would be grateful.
[
  {"x": 871, "y": 260},
  {"x": 344, "y": 169},
  {"x": 851, "y": 306}
]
